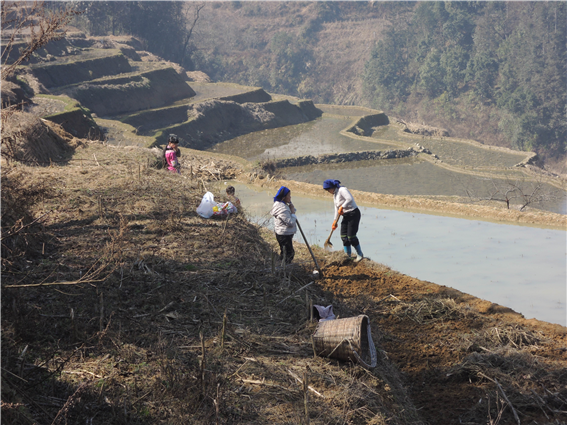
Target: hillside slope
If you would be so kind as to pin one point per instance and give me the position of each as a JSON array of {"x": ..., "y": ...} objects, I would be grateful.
[
  {"x": 491, "y": 72},
  {"x": 127, "y": 307}
]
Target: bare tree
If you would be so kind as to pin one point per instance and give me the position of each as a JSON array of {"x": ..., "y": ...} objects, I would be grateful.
[
  {"x": 195, "y": 10},
  {"x": 519, "y": 192},
  {"x": 35, "y": 24}
]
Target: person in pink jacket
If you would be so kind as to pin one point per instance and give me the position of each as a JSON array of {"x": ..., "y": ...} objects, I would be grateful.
[{"x": 171, "y": 154}]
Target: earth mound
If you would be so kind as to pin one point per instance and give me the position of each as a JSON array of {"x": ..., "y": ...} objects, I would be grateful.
[{"x": 31, "y": 140}]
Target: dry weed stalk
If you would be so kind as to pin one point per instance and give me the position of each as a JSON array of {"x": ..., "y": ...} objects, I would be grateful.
[
  {"x": 503, "y": 395},
  {"x": 430, "y": 310},
  {"x": 513, "y": 370},
  {"x": 500, "y": 407},
  {"x": 514, "y": 336},
  {"x": 215, "y": 170},
  {"x": 34, "y": 23},
  {"x": 141, "y": 342},
  {"x": 62, "y": 414},
  {"x": 21, "y": 232}
]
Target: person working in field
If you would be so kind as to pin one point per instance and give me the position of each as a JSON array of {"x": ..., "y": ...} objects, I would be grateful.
[
  {"x": 284, "y": 223},
  {"x": 171, "y": 153},
  {"x": 345, "y": 206}
]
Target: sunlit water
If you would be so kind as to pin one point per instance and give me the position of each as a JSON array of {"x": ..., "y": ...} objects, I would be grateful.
[
  {"x": 320, "y": 136},
  {"x": 520, "y": 267},
  {"x": 418, "y": 177},
  {"x": 396, "y": 177}
]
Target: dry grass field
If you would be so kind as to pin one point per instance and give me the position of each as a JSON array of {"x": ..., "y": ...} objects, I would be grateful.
[{"x": 122, "y": 305}]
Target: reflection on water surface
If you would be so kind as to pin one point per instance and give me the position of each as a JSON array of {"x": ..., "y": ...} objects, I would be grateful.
[
  {"x": 416, "y": 177},
  {"x": 316, "y": 137}
]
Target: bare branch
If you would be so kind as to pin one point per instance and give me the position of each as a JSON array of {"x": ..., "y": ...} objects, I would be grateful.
[
  {"x": 19, "y": 18},
  {"x": 187, "y": 38}
]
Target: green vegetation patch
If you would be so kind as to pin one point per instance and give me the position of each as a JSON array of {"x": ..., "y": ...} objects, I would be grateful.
[{"x": 70, "y": 104}]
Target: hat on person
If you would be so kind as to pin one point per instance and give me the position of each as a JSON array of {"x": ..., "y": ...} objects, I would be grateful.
[
  {"x": 331, "y": 184},
  {"x": 172, "y": 139},
  {"x": 282, "y": 192}
]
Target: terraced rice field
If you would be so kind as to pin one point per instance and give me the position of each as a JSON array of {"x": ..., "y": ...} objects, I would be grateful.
[
  {"x": 454, "y": 152},
  {"x": 215, "y": 90},
  {"x": 316, "y": 137}
]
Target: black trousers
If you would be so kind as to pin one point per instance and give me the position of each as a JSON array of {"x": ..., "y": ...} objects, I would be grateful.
[
  {"x": 286, "y": 245},
  {"x": 349, "y": 228}
]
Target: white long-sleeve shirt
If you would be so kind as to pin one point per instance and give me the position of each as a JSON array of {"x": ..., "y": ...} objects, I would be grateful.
[{"x": 343, "y": 198}]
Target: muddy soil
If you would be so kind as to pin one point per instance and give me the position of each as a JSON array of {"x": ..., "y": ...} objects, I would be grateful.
[{"x": 460, "y": 355}]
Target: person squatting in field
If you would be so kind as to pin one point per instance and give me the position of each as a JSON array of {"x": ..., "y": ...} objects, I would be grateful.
[
  {"x": 345, "y": 206},
  {"x": 171, "y": 153},
  {"x": 284, "y": 222},
  {"x": 230, "y": 194}
]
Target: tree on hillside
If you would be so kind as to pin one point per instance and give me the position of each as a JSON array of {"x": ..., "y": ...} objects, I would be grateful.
[
  {"x": 165, "y": 26},
  {"x": 510, "y": 57},
  {"x": 386, "y": 73},
  {"x": 104, "y": 17},
  {"x": 533, "y": 78},
  {"x": 289, "y": 59}
]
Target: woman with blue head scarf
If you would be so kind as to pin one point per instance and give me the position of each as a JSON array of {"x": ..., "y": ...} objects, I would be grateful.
[
  {"x": 284, "y": 222},
  {"x": 345, "y": 206}
]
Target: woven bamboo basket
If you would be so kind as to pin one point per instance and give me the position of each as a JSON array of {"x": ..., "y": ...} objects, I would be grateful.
[{"x": 346, "y": 339}]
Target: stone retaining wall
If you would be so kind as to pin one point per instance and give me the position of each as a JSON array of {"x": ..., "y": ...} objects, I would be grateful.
[{"x": 346, "y": 157}]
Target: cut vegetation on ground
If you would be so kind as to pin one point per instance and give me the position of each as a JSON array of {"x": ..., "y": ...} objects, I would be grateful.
[{"x": 122, "y": 305}]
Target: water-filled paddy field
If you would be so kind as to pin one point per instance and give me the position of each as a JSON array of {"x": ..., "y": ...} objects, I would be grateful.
[
  {"x": 396, "y": 177},
  {"x": 311, "y": 138},
  {"x": 520, "y": 267},
  {"x": 459, "y": 153},
  {"x": 416, "y": 177}
]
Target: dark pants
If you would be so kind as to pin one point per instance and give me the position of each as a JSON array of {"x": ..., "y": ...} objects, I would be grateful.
[
  {"x": 349, "y": 228},
  {"x": 286, "y": 245}
]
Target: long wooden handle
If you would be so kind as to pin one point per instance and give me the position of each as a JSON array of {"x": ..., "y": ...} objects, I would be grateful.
[{"x": 308, "y": 247}]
